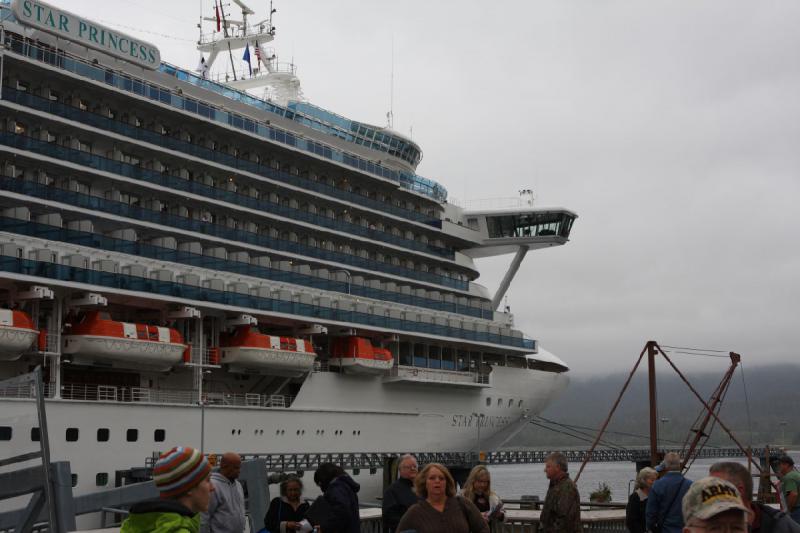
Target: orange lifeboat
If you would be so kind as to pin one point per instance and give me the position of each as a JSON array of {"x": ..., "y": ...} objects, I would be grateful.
[
  {"x": 358, "y": 355},
  {"x": 248, "y": 348},
  {"x": 96, "y": 339},
  {"x": 17, "y": 334}
]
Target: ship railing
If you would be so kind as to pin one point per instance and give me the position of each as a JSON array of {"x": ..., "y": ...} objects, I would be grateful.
[
  {"x": 262, "y": 30},
  {"x": 322, "y": 366},
  {"x": 435, "y": 374},
  {"x": 110, "y": 393},
  {"x": 24, "y": 390}
]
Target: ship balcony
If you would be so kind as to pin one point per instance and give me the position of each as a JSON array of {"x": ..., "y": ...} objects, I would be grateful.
[
  {"x": 107, "y": 393},
  {"x": 174, "y": 99},
  {"x": 433, "y": 376}
]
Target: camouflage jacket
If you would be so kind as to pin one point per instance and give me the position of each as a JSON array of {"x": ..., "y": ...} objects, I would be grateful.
[{"x": 562, "y": 511}]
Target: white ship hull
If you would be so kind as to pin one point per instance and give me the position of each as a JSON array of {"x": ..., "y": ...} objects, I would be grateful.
[
  {"x": 332, "y": 413},
  {"x": 15, "y": 341}
]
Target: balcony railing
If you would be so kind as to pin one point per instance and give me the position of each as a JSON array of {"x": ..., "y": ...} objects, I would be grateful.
[
  {"x": 109, "y": 393},
  {"x": 94, "y": 240},
  {"x": 158, "y": 217},
  {"x": 54, "y": 271},
  {"x": 140, "y": 87},
  {"x": 237, "y": 163},
  {"x": 453, "y": 377}
]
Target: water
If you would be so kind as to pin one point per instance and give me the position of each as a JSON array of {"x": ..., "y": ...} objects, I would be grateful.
[{"x": 512, "y": 481}]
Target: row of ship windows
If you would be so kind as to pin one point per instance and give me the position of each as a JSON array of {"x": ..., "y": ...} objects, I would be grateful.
[
  {"x": 500, "y": 402},
  {"x": 159, "y": 435},
  {"x": 316, "y": 244},
  {"x": 299, "y": 432},
  {"x": 248, "y": 193},
  {"x": 86, "y": 105},
  {"x": 72, "y": 434}
]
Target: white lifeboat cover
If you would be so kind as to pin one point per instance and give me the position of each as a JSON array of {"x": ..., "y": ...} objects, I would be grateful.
[
  {"x": 274, "y": 342},
  {"x": 129, "y": 330},
  {"x": 546, "y": 357},
  {"x": 163, "y": 335}
]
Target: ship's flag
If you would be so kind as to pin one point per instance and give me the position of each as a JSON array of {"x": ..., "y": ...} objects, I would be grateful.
[
  {"x": 246, "y": 57},
  {"x": 258, "y": 53},
  {"x": 216, "y": 11},
  {"x": 202, "y": 67}
]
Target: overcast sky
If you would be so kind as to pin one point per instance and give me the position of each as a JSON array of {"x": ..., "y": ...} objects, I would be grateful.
[{"x": 671, "y": 127}]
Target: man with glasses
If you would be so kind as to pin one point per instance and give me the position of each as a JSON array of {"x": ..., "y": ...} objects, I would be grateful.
[
  {"x": 713, "y": 505},
  {"x": 400, "y": 494}
]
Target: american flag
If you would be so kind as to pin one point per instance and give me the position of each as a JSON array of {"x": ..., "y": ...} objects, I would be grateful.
[{"x": 258, "y": 53}]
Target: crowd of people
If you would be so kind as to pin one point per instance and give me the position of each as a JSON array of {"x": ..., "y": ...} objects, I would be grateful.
[
  {"x": 195, "y": 499},
  {"x": 720, "y": 503}
]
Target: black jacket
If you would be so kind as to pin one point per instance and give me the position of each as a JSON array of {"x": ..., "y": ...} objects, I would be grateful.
[
  {"x": 336, "y": 511},
  {"x": 775, "y": 521},
  {"x": 396, "y": 501},
  {"x": 280, "y": 511},
  {"x": 635, "y": 513}
]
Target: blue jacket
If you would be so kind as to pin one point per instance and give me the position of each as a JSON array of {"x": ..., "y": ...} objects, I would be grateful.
[{"x": 667, "y": 492}]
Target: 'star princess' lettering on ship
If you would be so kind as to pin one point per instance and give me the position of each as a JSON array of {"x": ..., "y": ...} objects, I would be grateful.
[
  {"x": 74, "y": 28},
  {"x": 470, "y": 421}
]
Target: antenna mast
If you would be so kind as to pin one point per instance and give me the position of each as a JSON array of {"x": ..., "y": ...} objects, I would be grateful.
[{"x": 390, "y": 114}]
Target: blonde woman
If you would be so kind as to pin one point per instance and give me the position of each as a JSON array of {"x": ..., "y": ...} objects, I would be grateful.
[
  {"x": 440, "y": 510},
  {"x": 478, "y": 490},
  {"x": 637, "y": 502}
]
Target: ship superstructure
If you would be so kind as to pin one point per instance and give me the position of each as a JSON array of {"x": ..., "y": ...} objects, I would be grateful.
[{"x": 197, "y": 265}]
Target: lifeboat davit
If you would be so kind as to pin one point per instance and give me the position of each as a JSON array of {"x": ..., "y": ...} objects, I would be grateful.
[
  {"x": 358, "y": 355},
  {"x": 17, "y": 334},
  {"x": 249, "y": 349},
  {"x": 93, "y": 338}
]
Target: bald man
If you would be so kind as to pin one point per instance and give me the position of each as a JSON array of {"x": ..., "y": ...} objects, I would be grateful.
[{"x": 226, "y": 511}]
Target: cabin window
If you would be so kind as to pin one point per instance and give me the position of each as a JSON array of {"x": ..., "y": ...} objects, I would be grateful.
[
  {"x": 519, "y": 404},
  {"x": 102, "y": 435},
  {"x": 132, "y": 435},
  {"x": 5, "y": 432},
  {"x": 35, "y": 435},
  {"x": 74, "y": 480},
  {"x": 159, "y": 435},
  {"x": 19, "y": 128},
  {"x": 72, "y": 436},
  {"x": 101, "y": 479},
  {"x": 510, "y": 402},
  {"x": 488, "y": 402},
  {"x": 499, "y": 402}
]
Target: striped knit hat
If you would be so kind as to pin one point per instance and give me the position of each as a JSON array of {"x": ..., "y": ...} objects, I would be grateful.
[{"x": 180, "y": 470}]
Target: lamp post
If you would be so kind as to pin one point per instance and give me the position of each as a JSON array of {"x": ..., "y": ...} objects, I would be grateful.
[{"x": 346, "y": 273}]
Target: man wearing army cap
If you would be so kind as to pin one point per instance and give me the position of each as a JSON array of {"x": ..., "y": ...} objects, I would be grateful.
[{"x": 713, "y": 505}]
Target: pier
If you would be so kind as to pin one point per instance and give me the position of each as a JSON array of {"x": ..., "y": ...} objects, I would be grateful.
[{"x": 281, "y": 462}]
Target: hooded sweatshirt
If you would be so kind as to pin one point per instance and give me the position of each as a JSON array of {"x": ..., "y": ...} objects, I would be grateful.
[
  {"x": 161, "y": 516},
  {"x": 226, "y": 513}
]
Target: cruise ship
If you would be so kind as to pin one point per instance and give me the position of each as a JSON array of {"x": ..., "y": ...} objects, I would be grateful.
[{"x": 200, "y": 256}]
